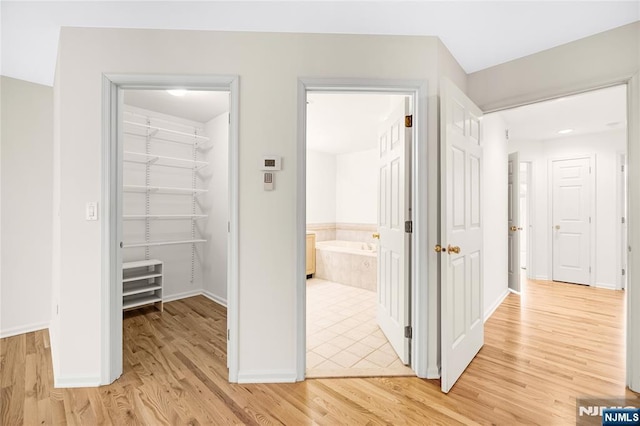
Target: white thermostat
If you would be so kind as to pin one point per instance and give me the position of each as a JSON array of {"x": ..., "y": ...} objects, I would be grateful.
[{"x": 271, "y": 163}]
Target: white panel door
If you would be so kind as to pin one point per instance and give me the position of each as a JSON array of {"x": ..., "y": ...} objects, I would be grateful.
[
  {"x": 571, "y": 207},
  {"x": 461, "y": 323},
  {"x": 513, "y": 216},
  {"x": 394, "y": 245}
]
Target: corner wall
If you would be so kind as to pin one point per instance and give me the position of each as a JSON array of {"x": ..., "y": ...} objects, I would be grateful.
[{"x": 27, "y": 196}]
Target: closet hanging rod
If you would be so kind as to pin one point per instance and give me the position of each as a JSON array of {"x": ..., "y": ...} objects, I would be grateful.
[
  {"x": 162, "y": 129},
  {"x": 165, "y": 189},
  {"x": 163, "y": 216},
  {"x": 162, "y": 243},
  {"x": 160, "y": 159}
]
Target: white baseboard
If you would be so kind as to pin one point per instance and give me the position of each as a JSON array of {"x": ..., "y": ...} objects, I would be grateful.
[
  {"x": 514, "y": 292},
  {"x": 183, "y": 295},
  {"x": 76, "y": 382},
  {"x": 267, "y": 376},
  {"x": 496, "y": 305},
  {"x": 542, "y": 278},
  {"x": 609, "y": 286},
  {"x": 215, "y": 298},
  {"x": 14, "y": 331}
]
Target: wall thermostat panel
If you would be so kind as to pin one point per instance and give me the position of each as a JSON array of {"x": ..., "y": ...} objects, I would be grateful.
[{"x": 271, "y": 162}]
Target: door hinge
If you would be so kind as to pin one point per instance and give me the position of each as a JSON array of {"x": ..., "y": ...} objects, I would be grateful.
[
  {"x": 408, "y": 226},
  {"x": 622, "y": 168},
  {"x": 589, "y": 219},
  {"x": 408, "y": 121},
  {"x": 589, "y": 269},
  {"x": 623, "y": 221},
  {"x": 506, "y": 134},
  {"x": 228, "y": 226},
  {"x": 408, "y": 332},
  {"x": 228, "y": 334},
  {"x": 623, "y": 272}
]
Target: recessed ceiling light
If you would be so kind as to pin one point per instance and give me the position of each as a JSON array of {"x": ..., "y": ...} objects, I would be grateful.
[
  {"x": 565, "y": 131},
  {"x": 177, "y": 92}
]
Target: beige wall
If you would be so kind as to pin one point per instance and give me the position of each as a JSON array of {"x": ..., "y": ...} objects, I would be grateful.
[
  {"x": 269, "y": 66},
  {"x": 611, "y": 56},
  {"x": 26, "y": 171}
]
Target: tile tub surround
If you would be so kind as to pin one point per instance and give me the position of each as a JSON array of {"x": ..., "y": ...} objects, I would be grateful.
[
  {"x": 347, "y": 263},
  {"x": 323, "y": 231},
  {"x": 343, "y": 231}
]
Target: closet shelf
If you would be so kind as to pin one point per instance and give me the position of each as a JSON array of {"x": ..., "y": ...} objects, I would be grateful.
[
  {"x": 140, "y": 288},
  {"x": 162, "y": 189},
  {"x": 160, "y": 160},
  {"x": 163, "y": 216},
  {"x": 162, "y": 243},
  {"x": 160, "y": 130},
  {"x": 141, "y": 277},
  {"x": 140, "y": 300}
]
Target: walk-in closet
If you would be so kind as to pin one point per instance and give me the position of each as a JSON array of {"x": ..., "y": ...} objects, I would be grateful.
[{"x": 174, "y": 196}]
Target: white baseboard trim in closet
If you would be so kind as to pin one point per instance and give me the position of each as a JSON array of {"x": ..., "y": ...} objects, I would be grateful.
[
  {"x": 219, "y": 300},
  {"x": 182, "y": 295},
  {"x": 76, "y": 382},
  {"x": 14, "y": 331}
]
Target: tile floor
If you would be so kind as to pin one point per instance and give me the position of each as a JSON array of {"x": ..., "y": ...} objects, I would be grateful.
[{"x": 343, "y": 338}]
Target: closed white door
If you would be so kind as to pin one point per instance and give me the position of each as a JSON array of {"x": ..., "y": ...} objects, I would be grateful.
[
  {"x": 394, "y": 247},
  {"x": 571, "y": 220},
  {"x": 513, "y": 265},
  {"x": 461, "y": 323}
]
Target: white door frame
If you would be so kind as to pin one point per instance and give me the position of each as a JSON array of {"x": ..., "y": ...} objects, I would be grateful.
[
  {"x": 621, "y": 212},
  {"x": 592, "y": 212},
  {"x": 529, "y": 207},
  {"x": 633, "y": 199},
  {"x": 419, "y": 291},
  {"x": 111, "y": 209}
]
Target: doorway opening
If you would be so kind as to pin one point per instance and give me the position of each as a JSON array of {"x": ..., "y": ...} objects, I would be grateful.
[
  {"x": 390, "y": 163},
  {"x": 358, "y": 196},
  {"x": 170, "y": 212},
  {"x": 570, "y": 154}
]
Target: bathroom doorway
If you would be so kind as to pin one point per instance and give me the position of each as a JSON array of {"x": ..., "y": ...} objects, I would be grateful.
[{"x": 354, "y": 188}]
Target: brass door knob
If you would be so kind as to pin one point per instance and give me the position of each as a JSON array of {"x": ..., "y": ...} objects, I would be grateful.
[
  {"x": 513, "y": 228},
  {"x": 438, "y": 248},
  {"x": 376, "y": 236},
  {"x": 453, "y": 249}
]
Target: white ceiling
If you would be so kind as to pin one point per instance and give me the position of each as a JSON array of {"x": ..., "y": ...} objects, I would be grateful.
[
  {"x": 196, "y": 105},
  {"x": 590, "y": 112},
  {"x": 344, "y": 123},
  {"x": 478, "y": 33}
]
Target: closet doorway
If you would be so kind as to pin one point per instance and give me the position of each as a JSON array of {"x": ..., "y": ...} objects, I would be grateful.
[{"x": 171, "y": 218}]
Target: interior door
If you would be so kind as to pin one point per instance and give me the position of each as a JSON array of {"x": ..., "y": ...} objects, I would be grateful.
[
  {"x": 514, "y": 222},
  {"x": 394, "y": 207},
  {"x": 461, "y": 324},
  {"x": 571, "y": 207}
]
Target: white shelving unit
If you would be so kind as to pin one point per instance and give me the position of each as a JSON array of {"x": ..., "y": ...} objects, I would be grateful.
[
  {"x": 142, "y": 283},
  {"x": 146, "y": 137}
]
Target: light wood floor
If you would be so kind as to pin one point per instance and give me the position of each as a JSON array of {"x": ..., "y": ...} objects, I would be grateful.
[{"x": 559, "y": 342}]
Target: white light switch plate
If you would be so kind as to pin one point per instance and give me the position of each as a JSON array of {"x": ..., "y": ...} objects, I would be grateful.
[{"x": 91, "y": 212}]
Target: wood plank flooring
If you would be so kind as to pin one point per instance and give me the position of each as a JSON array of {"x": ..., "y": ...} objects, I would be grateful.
[{"x": 556, "y": 343}]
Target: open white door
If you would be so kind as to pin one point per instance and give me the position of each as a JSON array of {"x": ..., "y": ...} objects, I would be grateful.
[
  {"x": 514, "y": 222},
  {"x": 571, "y": 211},
  {"x": 462, "y": 326},
  {"x": 394, "y": 246}
]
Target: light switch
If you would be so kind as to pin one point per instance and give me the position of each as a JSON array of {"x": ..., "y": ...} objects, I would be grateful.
[{"x": 92, "y": 210}]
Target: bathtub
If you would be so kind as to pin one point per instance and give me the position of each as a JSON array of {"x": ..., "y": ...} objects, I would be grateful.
[{"x": 350, "y": 263}]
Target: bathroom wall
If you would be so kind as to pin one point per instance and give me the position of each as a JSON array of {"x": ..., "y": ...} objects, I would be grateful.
[{"x": 356, "y": 187}]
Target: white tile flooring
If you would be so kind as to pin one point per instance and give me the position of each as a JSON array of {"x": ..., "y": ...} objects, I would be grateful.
[{"x": 343, "y": 338}]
